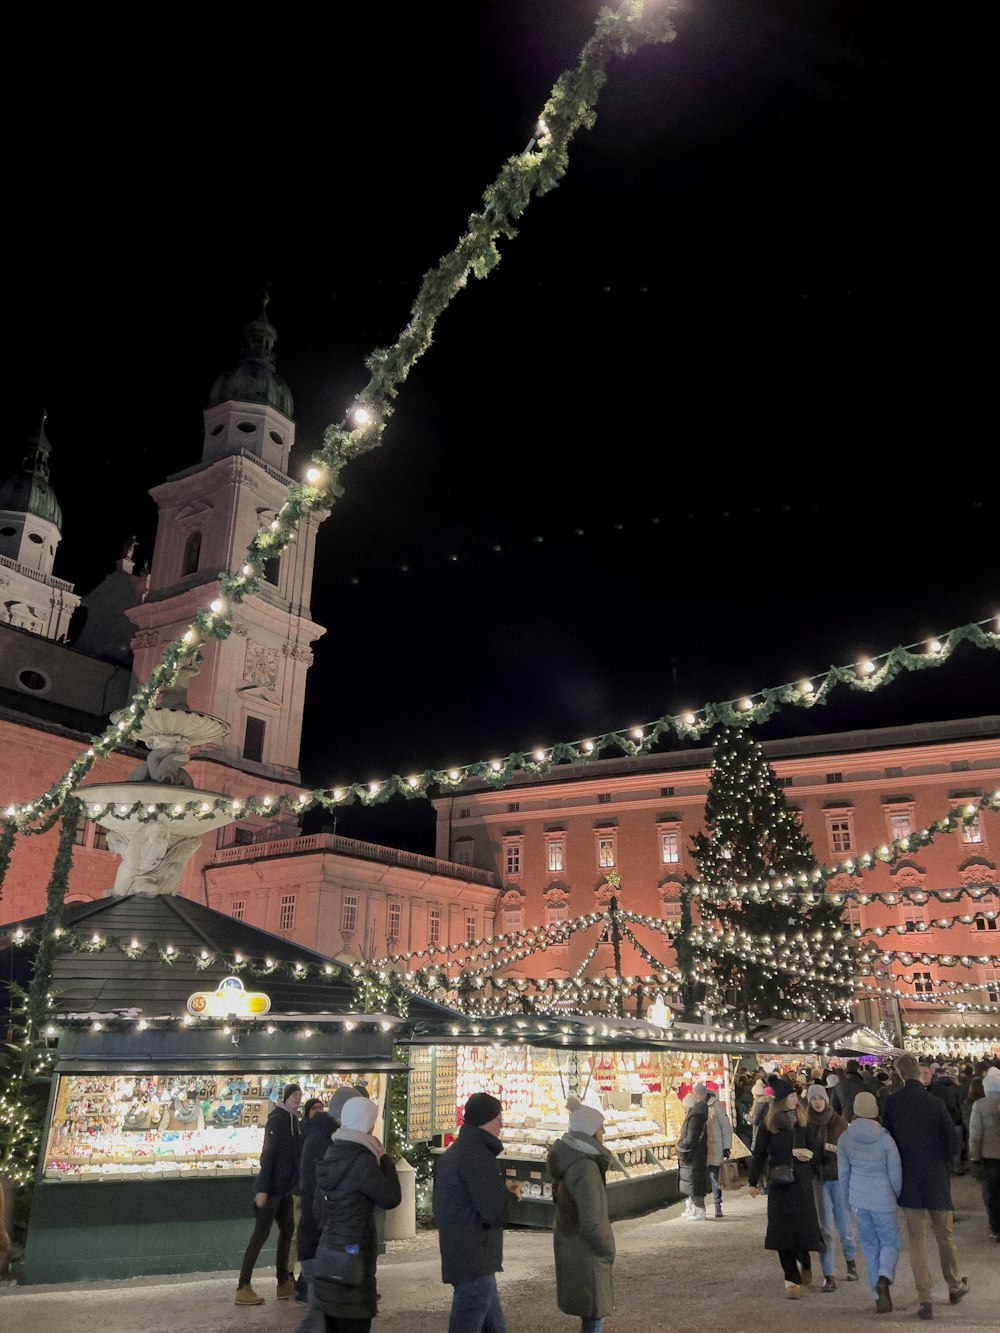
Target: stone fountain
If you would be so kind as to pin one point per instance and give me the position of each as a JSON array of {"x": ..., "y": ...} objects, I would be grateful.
[{"x": 154, "y": 852}]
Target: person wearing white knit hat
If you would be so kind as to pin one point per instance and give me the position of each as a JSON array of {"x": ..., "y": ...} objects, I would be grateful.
[
  {"x": 582, "y": 1237},
  {"x": 355, "y": 1176}
]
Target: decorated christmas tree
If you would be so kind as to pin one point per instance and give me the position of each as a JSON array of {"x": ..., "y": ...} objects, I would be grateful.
[{"x": 769, "y": 942}]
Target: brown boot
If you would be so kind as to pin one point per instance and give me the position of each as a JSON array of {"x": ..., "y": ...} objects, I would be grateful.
[{"x": 247, "y": 1296}]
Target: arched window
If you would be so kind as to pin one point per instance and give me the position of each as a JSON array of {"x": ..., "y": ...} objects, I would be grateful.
[{"x": 192, "y": 554}]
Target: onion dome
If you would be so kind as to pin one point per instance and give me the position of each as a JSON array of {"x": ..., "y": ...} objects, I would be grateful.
[
  {"x": 255, "y": 380},
  {"x": 28, "y": 491}
]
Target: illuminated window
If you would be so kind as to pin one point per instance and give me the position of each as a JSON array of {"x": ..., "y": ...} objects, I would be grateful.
[
  {"x": 672, "y": 910},
  {"x": 606, "y": 852},
  {"x": 471, "y": 933},
  {"x": 555, "y": 853},
  {"x": 900, "y": 824},
  {"x": 394, "y": 920},
  {"x": 434, "y": 925},
  {"x": 238, "y": 909},
  {"x": 286, "y": 911},
  {"x": 513, "y": 918},
  {"x": 670, "y": 846},
  {"x": 349, "y": 913},
  {"x": 972, "y": 832},
  {"x": 555, "y": 915}
]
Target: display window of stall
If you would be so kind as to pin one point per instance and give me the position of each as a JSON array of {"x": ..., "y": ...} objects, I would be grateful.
[{"x": 119, "y": 1126}]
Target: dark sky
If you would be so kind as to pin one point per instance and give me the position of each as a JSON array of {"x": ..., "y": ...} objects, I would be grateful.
[{"x": 716, "y": 407}]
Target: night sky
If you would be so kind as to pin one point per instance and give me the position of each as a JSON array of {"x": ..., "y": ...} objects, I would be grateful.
[{"x": 711, "y": 425}]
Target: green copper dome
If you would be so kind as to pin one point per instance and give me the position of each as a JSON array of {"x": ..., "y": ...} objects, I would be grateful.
[
  {"x": 255, "y": 380},
  {"x": 28, "y": 491}
]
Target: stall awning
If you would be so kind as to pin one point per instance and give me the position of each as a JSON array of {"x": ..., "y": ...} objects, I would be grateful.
[{"x": 833, "y": 1037}]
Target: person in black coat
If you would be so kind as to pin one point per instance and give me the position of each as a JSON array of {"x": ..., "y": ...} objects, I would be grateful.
[
  {"x": 792, "y": 1225},
  {"x": 692, "y": 1154},
  {"x": 848, "y": 1088},
  {"x": 317, "y": 1133},
  {"x": 471, "y": 1206},
  {"x": 925, "y": 1138},
  {"x": 943, "y": 1083},
  {"x": 355, "y": 1176},
  {"x": 273, "y": 1200}
]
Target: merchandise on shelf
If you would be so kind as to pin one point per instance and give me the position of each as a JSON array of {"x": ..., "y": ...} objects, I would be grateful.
[{"x": 121, "y": 1127}]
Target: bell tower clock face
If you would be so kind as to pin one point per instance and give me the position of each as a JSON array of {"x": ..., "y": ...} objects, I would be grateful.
[{"x": 261, "y": 665}]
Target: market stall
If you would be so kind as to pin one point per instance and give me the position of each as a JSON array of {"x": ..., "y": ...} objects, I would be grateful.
[{"x": 173, "y": 1031}]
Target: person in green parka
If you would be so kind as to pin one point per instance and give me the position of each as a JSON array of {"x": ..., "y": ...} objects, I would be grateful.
[{"x": 582, "y": 1236}]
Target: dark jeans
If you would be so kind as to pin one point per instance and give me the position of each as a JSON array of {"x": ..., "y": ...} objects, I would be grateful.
[
  {"x": 475, "y": 1307},
  {"x": 280, "y": 1210},
  {"x": 335, "y": 1325},
  {"x": 790, "y": 1260}
]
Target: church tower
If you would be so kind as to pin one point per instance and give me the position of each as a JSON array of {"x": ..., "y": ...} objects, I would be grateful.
[
  {"x": 208, "y": 514},
  {"x": 30, "y": 531}
]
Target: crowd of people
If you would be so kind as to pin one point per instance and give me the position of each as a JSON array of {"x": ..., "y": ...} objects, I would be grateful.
[{"x": 838, "y": 1151}]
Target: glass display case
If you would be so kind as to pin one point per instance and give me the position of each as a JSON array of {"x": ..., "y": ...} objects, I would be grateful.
[{"x": 114, "y": 1126}]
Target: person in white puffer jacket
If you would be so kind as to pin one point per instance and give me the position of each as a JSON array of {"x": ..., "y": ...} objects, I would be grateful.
[
  {"x": 870, "y": 1175},
  {"x": 984, "y": 1145}
]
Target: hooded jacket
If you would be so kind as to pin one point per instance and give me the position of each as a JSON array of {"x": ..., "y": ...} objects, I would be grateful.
[
  {"x": 582, "y": 1237},
  {"x": 279, "y": 1157},
  {"x": 871, "y": 1172},
  {"x": 720, "y": 1131}
]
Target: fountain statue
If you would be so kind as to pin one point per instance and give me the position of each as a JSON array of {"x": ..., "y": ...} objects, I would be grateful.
[{"x": 155, "y": 851}]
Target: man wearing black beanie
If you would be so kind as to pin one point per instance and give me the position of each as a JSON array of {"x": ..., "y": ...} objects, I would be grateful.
[
  {"x": 273, "y": 1199},
  {"x": 471, "y": 1206}
]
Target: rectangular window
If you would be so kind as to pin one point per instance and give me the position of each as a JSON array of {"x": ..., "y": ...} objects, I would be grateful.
[
  {"x": 667, "y": 791},
  {"x": 986, "y": 923},
  {"x": 434, "y": 926},
  {"x": 555, "y": 855},
  {"x": 349, "y": 913},
  {"x": 606, "y": 853},
  {"x": 783, "y": 783},
  {"x": 100, "y": 838},
  {"x": 923, "y": 983},
  {"x": 238, "y": 909},
  {"x": 471, "y": 933},
  {"x": 465, "y": 812},
  {"x": 991, "y": 980},
  {"x": 512, "y": 849},
  {"x": 463, "y": 852},
  {"x": 960, "y": 765},
  {"x": 672, "y": 910},
  {"x": 834, "y": 777},
  {"x": 840, "y": 836},
  {"x": 253, "y": 740},
  {"x": 604, "y": 798},
  {"x": 900, "y": 825},
  {"x": 972, "y": 833},
  {"x": 555, "y": 915},
  {"x": 893, "y": 772},
  {"x": 670, "y": 848},
  {"x": 242, "y": 837},
  {"x": 286, "y": 911},
  {"x": 80, "y": 836},
  {"x": 512, "y": 919},
  {"x": 912, "y": 918},
  {"x": 394, "y": 921},
  {"x": 513, "y": 807},
  {"x": 851, "y": 917}
]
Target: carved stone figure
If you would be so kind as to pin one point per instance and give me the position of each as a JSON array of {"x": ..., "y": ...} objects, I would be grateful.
[{"x": 153, "y": 858}]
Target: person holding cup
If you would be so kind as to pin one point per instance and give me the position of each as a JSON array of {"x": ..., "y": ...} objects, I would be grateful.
[{"x": 792, "y": 1225}]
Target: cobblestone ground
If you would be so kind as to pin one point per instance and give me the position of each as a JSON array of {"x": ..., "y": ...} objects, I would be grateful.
[{"x": 669, "y": 1275}]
